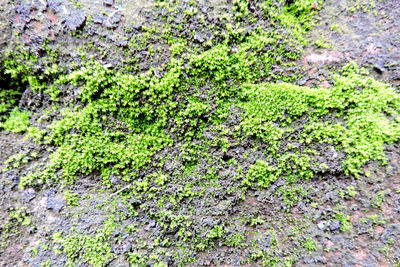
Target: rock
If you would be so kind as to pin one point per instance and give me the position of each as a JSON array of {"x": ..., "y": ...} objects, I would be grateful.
[
  {"x": 112, "y": 21},
  {"x": 28, "y": 194},
  {"x": 320, "y": 259},
  {"x": 391, "y": 233},
  {"x": 75, "y": 20},
  {"x": 99, "y": 19},
  {"x": 308, "y": 260},
  {"x": 315, "y": 5},
  {"x": 54, "y": 5},
  {"x": 322, "y": 225},
  {"x": 54, "y": 203},
  {"x": 138, "y": 26},
  {"x": 302, "y": 82},
  {"x": 12, "y": 179},
  {"x": 380, "y": 66},
  {"x": 334, "y": 226},
  {"x": 108, "y": 2},
  {"x": 198, "y": 37}
]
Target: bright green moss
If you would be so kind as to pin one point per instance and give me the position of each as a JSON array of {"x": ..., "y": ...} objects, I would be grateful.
[
  {"x": 94, "y": 250},
  {"x": 345, "y": 223},
  {"x": 17, "y": 121},
  {"x": 364, "y": 116},
  {"x": 261, "y": 173},
  {"x": 122, "y": 120}
]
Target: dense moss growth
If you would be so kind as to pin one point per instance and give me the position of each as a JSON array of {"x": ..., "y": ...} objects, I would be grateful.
[
  {"x": 162, "y": 139},
  {"x": 358, "y": 115}
]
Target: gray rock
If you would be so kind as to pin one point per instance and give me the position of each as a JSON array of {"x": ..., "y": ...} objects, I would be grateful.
[
  {"x": 322, "y": 225},
  {"x": 99, "y": 19},
  {"x": 54, "y": 5},
  {"x": 112, "y": 20},
  {"x": 308, "y": 260},
  {"x": 75, "y": 20},
  {"x": 198, "y": 37},
  {"x": 391, "y": 233},
  {"x": 380, "y": 66},
  {"x": 28, "y": 194},
  {"x": 54, "y": 203},
  {"x": 108, "y": 2},
  {"x": 335, "y": 225}
]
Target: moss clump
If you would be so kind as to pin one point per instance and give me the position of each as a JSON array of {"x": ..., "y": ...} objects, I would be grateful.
[
  {"x": 358, "y": 115},
  {"x": 16, "y": 122},
  {"x": 171, "y": 136},
  {"x": 94, "y": 250}
]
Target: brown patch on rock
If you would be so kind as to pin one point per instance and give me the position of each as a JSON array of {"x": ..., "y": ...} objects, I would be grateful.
[
  {"x": 361, "y": 255},
  {"x": 379, "y": 229},
  {"x": 362, "y": 240},
  {"x": 356, "y": 216},
  {"x": 52, "y": 17},
  {"x": 252, "y": 201},
  {"x": 325, "y": 84},
  {"x": 38, "y": 27}
]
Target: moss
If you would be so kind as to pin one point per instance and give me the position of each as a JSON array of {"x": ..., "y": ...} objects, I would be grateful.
[
  {"x": 309, "y": 244},
  {"x": 128, "y": 123},
  {"x": 366, "y": 116},
  {"x": 94, "y": 250},
  {"x": 17, "y": 121},
  {"x": 345, "y": 223}
]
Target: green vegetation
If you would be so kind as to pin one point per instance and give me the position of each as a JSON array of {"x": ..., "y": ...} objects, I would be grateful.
[
  {"x": 309, "y": 244},
  {"x": 94, "y": 250},
  {"x": 16, "y": 122},
  {"x": 345, "y": 223},
  {"x": 165, "y": 135}
]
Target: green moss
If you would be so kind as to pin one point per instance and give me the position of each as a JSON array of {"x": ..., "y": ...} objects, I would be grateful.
[
  {"x": 309, "y": 244},
  {"x": 94, "y": 250},
  {"x": 121, "y": 120},
  {"x": 16, "y": 122},
  {"x": 365, "y": 116},
  {"x": 345, "y": 223},
  {"x": 71, "y": 198},
  {"x": 261, "y": 173}
]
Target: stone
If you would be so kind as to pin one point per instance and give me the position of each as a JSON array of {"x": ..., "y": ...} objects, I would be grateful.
[
  {"x": 335, "y": 225},
  {"x": 108, "y": 2},
  {"x": 198, "y": 37},
  {"x": 54, "y": 203},
  {"x": 75, "y": 20},
  {"x": 28, "y": 194},
  {"x": 322, "y": 225}
]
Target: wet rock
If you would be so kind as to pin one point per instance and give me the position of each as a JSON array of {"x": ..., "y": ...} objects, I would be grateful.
[
  {"x": 28, "y": 194},
  {"x": 198, "y": 37},
  {"x": 391, "y": 233},
  {"x": 54, "y": 203},
  {"x": 54, "y": 5},
  {"x": 75, "y": 20},
  {"x": 112, "y": 21},
  {"x": 108, "y": 2},
  {"x": 380, "y": 66},
  {"x": 322, "y": 225},
  {"x": 334, "y": 226}
]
